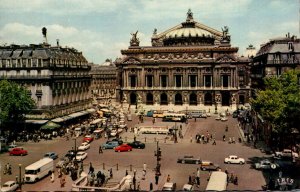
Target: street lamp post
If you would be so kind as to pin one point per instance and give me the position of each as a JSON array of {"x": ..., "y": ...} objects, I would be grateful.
[
  {"x": 20, "y": 177},
  {"x": 75, "y": 149},
  {"x": 134, "y": 180}
]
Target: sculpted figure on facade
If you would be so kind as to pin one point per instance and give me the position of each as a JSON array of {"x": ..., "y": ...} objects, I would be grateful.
[
  {"x": 233, "y": 99},
  {"x": 124, "y": 98},
  {"x": 226, "y": 36},
  {"x": 218, "y": 98},
  {"x": 155, "y": 31},
  {"x": 134, "y": 41}
]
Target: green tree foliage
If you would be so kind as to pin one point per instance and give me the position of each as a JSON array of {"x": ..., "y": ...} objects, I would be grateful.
[
  {"x": 279, "y": 103},
  {"x": 14, "y": 102}
]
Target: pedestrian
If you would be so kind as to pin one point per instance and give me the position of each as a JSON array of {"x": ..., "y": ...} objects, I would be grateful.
[
  {"x": 52, "y": 177},
  {"x": 224, "y": 137},
  {"x": 156, "y": 179},
  {"x": 100, "y": 149},
  {"x": 144, "y": 175},
  {"x": 233, "y": 140},
  {"x": 168, "y": 178},
  {"x": 151, "y": 186},
  {"x": 198, "y": 172},
  {"x": 214, "y": 143},
  {"x": 190, "y": 180},
  {"x": 198, "y": 181},
  {"x": 235, "y": 180},
  {"x": 91, "y": 169},
  {"x": 111, "y": 173},
  {"x": 191, "y": 139},
  {"x": 145, "y": 167},
  {"x": 62, "y": 181}
]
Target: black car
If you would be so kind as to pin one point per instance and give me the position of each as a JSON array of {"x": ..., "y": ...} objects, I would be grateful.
[
  {"x": 71, "y": 154},
  {"x": 209, "y": 166},
  {"x": 189, "y": 159},
  {"x": 137, "y": 144}
]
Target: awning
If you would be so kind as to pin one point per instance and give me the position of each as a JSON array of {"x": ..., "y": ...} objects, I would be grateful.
[
  {"x": 40, "y": 122},
  {"x": 58, "y": 120},
  {"x": 50, "y": 126},
  {"x": 91, "y": 110}
]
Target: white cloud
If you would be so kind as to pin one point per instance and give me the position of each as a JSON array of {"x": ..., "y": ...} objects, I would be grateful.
[
  {"x": 89, "y": 42},
  {"x": 59, "y": 7}
]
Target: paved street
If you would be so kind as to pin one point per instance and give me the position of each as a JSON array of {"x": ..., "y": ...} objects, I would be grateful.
[{"x": 249, "y": 178}]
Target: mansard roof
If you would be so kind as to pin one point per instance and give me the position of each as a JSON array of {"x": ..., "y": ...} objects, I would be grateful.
[{"x": 40, "y": 51}]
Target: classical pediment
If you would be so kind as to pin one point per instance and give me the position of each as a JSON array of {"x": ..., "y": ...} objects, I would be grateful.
[
  {"x": 132, "y": 60},
  {"x": 225, "y": 59}
]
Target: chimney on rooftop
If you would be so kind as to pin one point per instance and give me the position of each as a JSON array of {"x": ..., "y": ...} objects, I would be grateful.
[{"x": 44, "y": 32}]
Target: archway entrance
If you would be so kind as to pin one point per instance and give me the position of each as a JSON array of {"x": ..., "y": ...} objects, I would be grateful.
[
  {"x": 178, "y": 99},
  {"x": 242, "y": 99},
  {"x": 132, "y": 99},
  {"x": 149, "y": 99},
  {"x": 164, "y": 99},
  {"x": 225, "y": 98},
  {"x": 207, "y": 99},
  {"x": 193, "y": 99}
]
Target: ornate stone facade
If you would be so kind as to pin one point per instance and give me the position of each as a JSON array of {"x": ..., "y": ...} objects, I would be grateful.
[
  {"x": 57, "y": 78},
  {"x": 188, "y": 66},
  {"x": 104, "y": 81}
]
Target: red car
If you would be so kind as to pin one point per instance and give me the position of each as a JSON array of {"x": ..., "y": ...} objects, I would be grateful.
[
  {"x": 18, "y": 151},
  {"x": 123, "y": 147},
  {"x": 88, "y": 138}
]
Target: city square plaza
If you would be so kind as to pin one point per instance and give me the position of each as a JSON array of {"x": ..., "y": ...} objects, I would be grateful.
[{"x": 248, "y": 178}]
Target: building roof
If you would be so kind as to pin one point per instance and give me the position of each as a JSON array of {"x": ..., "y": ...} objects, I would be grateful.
[
  {"x": 41, "y": 51},
  {"x": 187, "y": 33}
]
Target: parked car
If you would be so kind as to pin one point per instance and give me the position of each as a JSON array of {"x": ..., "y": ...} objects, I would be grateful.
[
  {"x": 9, "y": 186},
  {"x": 234, "y": 160},
  {"x": 113, "y": 132},
  {"x": 187, "y": 187},
  {"x": 88, "y": 138},
  {"x": 120, "y": 141},
  {"x": 235, "y": 114},
  {"x": 18, "y": 151},
  {"x": 51, "y": 155},
  {"x": 70, "y": 154},
  {"x": 62, "y": 161},
  {"x": 218, "y": 118},
  {"x": 189, "y": 159},
  {"x": 224, "y": 119},
  {"x": 137, "y": 144},
  {"x": 110, "y": 144},
  {"x": 209, "y": 166},
  {"x": 266, "y": 164},
  {"x": 286, "y": 153},
  {"x": 169, "y": 187},
  {"x": 123, "y": 147},
  {"x": 80, "y": 156},
  {"x": 84, "y": 146},
  {"x": 11, "y": 146},
  {"x": 203, "y": 115}
]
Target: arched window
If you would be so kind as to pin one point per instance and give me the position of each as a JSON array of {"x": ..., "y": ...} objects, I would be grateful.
[
  {"x": 178, "y": 99},
  {"x": 193, "y": 99},
  {"x": 164, "y": 99},
  {"x": 207, "y": 99},
  {"x": 149, "y": 99}
]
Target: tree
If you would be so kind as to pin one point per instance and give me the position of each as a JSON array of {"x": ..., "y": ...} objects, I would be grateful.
[
  {"x": 14, "y": 102},
  {"x": 279, "y": 102}
]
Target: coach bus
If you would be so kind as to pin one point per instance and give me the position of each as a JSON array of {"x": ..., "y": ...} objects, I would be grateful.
[{"x": 174, "y": 117}]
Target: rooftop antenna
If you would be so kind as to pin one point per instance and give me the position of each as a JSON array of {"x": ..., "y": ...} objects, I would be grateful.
[{"x": 44, "y": 32}]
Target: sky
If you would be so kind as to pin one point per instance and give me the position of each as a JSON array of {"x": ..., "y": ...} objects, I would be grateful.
[{"x": 101, "y": 28}]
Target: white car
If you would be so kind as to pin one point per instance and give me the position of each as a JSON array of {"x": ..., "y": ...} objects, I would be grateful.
[
  {"x": 224, "y": 119},
  {"x": 286, "y": 153},
  {"x": 9, "y": 186},
  {"x": 81, "y": 156},
  {"x": 218, "y": 118},
  {"x": 187, "y": 187},
  {"x": 84, "y": 146},
  {"x": 113, "y": 132},
  {"x": 234, "y": 159}
]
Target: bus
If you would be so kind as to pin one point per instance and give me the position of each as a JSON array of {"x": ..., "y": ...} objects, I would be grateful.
[
  {"x": 96, "y": 124},
  {"x": 174, "y": 117},
  {"x": 217, "y": 181},
  {"x": 158, "y": 114},
  {"x": 38, "y": 170}
]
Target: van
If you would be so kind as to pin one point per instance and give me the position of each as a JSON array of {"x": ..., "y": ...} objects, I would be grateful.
[
  {"x": 217, "y": 181},
  {"x": 38, "y": 170}
]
